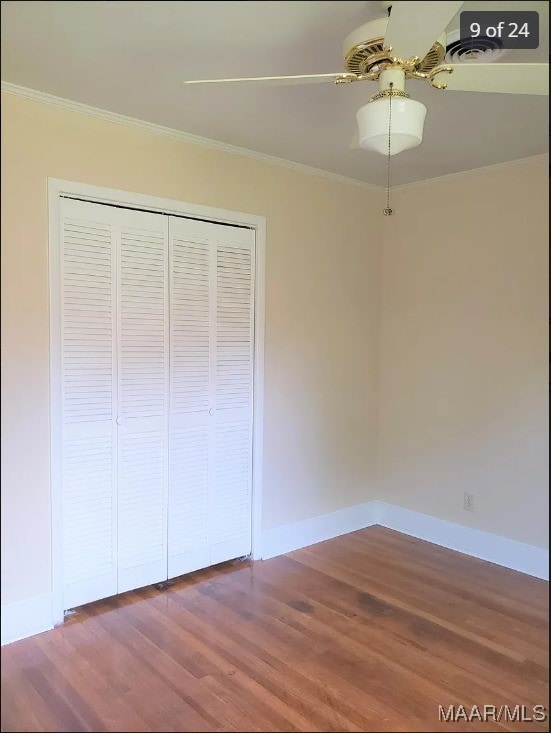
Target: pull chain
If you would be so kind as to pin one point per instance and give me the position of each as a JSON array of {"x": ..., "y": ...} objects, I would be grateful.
[{"x": 388, "y": 211}]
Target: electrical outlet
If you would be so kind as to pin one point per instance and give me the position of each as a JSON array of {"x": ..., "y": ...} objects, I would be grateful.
[{"x": 468, "y": 502}]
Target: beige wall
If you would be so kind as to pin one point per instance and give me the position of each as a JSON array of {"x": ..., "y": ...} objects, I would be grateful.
[
  {"x": 322, "y": 314},
  {"x": 462, "y": 335},
  {"x": 464, "y": 351}
]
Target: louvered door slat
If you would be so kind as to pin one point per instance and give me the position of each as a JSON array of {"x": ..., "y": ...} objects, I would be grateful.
[
  {"x": 143, "y": 389},
  {"x": 88, "y": 383},
  {"x": 188, "y": 521},
  {"x": 190, "y": 327}
]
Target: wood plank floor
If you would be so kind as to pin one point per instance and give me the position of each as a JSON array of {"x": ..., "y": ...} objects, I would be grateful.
[{"x": 367, "y": 632}]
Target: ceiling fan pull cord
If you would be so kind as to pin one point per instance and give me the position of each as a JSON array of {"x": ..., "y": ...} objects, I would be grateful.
[{"x": 388, "y": 211}]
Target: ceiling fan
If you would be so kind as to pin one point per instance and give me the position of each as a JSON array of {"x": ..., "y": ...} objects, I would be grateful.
[{"x": 410, "y": 43}]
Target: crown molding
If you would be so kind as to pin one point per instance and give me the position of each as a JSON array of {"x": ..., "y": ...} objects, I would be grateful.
[
  {"x": 187, "y": 137},
  {"x": 476, "y": 171},
  {"x": 205, "y": 142}
]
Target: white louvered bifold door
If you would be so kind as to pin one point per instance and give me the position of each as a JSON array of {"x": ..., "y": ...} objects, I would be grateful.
[
  {"x": 210, "y": 432},
  {"x": 233, "y": 394},
  {"x": 143, "y": 327},
  {"x": 114, "y": 356},
  {"x": 157, "y": 395},
  {"x": 88, "y": 401}
]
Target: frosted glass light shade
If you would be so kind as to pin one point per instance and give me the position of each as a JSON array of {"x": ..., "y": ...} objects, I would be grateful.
[{"x": 406, "y": 128}]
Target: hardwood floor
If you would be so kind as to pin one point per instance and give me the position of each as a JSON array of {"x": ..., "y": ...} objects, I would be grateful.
[{"x": 371, "y": 631}]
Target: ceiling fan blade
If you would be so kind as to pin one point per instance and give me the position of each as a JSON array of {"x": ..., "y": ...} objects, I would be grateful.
[
  {"x": 281, "y": 80},
  {"x": 414, "y": 27},
  {"x": 499, "y": 78}
]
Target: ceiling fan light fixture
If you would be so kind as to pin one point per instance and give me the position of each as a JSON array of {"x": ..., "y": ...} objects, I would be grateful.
[{"x": 406, "y": 126}]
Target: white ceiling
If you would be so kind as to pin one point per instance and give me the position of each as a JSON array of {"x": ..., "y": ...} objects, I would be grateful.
[{"x": 130, "y": 58}]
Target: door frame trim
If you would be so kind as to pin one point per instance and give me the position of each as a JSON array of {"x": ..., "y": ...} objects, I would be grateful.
[{"x": 57, "y": 188}]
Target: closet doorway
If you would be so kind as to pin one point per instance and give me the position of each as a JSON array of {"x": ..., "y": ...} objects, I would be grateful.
[{"x": 156, "y": 389}]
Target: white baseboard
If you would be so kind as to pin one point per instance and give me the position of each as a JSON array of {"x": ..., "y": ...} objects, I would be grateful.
[
  {"x": 291, "y": 537},
  {"x": 26, "y": 618},
  {"x": 484, "y": 545}
]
